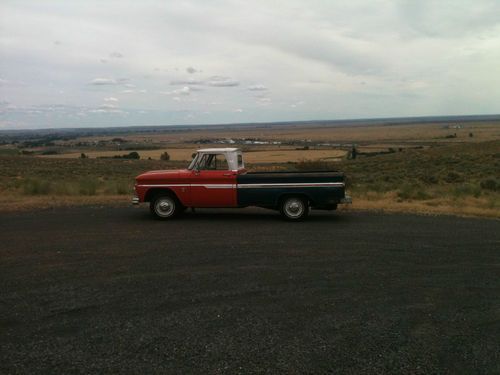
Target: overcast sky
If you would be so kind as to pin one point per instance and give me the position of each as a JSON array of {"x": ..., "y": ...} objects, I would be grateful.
[{"x": 115, "y": 63}]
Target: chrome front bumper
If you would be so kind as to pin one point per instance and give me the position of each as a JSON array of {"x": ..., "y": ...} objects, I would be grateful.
[
  {"x": 346, "y": 200},
  {"x": 135, "y": 200}
]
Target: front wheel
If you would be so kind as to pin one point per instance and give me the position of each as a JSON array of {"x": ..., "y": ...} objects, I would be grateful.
[
  {"x": 294, "y": 208},
  {"x": 164, "y": 207}
]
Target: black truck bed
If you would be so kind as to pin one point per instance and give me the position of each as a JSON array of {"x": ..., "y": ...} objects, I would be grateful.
[{"x": 266, "y": 189}]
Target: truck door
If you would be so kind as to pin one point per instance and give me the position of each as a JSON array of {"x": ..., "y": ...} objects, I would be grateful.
[{"x": 212, "y": 183}]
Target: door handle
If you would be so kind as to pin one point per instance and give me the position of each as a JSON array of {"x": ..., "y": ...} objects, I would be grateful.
[{"x": 227, "y": 174}]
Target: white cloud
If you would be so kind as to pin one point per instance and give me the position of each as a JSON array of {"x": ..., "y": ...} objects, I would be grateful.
[
  {"x": 107, "y": 106},
  {"x": 220, "y": 81},
  {"x": 189, "y": 81},
  {"x": 111, "y": 99},
  {"x": 184, "y": 91},
  {"x": 115, "y": 55},
  {"x": 103, "y": 81},
  {"x": 257, "y": 87},
  {"x": 191, "y": 70}
]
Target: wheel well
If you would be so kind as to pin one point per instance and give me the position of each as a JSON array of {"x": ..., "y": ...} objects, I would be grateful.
[
  {"x": 301, "y": 195},
  {"x": 155, "y": 191}
]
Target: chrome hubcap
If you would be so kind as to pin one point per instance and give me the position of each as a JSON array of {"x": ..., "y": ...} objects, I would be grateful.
[
  {"x": 164, "y": 207},
  {"x": 294, "y": 207}
]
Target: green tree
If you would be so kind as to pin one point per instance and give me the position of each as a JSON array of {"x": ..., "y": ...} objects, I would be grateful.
[
  {"x": 165, "y": 156},
  {"x": 133, "y": 155}
]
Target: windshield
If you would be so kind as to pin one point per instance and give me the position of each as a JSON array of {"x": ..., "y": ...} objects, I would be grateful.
[{"x": 193, "y": 162}]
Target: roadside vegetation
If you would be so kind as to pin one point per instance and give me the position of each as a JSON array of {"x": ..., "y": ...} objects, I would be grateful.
[
  {"x": 462, "y": 178},
  {"x": 47, "y": 182}
]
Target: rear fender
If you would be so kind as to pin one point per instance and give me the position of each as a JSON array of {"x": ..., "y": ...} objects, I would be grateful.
[{"x": 304, "y": 196}]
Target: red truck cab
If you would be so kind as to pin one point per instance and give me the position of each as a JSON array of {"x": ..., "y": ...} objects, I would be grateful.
[{"x": 209, "y": 181}]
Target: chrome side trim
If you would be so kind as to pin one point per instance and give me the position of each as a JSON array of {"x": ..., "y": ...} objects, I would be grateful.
[
  {"x": 208, "y": 186},
  {"x": 215, "y": 186},
  {"x": 291, "y": 185},
  {"x": 254, "y": 186},
  {"x": 165, "y": 185}
]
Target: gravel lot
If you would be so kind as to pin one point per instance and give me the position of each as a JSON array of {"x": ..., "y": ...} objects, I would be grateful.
[{"x": 109, "y": 290}]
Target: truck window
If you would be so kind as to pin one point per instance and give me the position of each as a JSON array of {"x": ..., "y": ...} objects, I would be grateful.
[
  {"x": 214, "y": 162},
  {"x": 194, "y": 162}
]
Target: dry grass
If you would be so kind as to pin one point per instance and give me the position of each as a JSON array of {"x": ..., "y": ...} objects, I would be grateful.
[
  {"x": 184, "y": 154},
  {"x": 12, "y": 203},
  {"x": 389, "y": 202},
  {"x": 175, "y": 154},
  {"x": 395, "y": 133}
]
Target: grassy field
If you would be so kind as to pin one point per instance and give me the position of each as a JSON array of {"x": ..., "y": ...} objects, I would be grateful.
[
  {"x": 27, "y": 181},
  {"x": 437, "y": 132},
  {"x": 184, "y": 154},
  {"x": 455, "y": 178},
  {"x": 458, "y": 178}
]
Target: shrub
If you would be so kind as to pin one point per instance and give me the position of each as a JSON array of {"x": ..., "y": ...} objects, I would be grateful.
[
  {"x": 122, "y": 189},
  {"x": 412, "y": 191},
  {"x": 453, "y": 177},
  {"x": 35, "y": 186},
  {"x": 429, "y": 179},
  {"x": 165, "y": 156},
  {"x": 490, "y": 184},
  {"x": 466, "y": 190},
  {"x": 117, "y": 187},
  {"x": 132, "y": 155},
  {"x": 88, "y": 186}
]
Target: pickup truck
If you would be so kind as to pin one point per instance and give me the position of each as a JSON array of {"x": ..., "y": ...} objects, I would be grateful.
[{"x": 216, "y": 177}]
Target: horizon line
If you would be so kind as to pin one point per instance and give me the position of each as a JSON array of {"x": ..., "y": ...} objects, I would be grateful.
[{"x": 281, "y": 122}]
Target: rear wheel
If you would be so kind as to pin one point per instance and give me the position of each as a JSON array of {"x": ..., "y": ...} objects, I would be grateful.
[
  {"x": 294, "y": 208},
  {"x": 165, "y": 207}
]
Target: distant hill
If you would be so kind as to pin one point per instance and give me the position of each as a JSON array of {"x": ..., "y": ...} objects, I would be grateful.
[{"x": 77, "y": 132}]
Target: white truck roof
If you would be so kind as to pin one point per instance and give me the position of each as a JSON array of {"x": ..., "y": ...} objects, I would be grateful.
[
  {"x": 225, "y": 149},
  {"x": 233, "y": 156}
]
